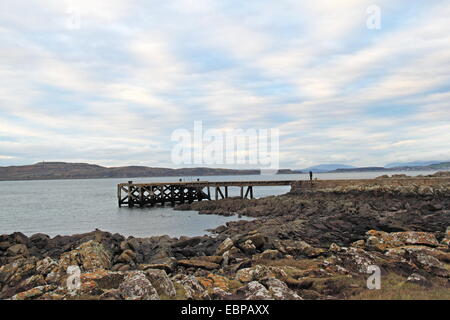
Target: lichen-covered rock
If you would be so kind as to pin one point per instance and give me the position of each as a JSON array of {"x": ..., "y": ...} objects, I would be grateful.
[
  {"x": 136, "y": 286},
  {"x": 220, "y": 294},
  {"x": 161, "y": 282},
  {"x": 259, "y": 272},
  {"x": 193, "y": 289},
  {"x": 13, "y": 273},
  {"x": 214, "y": 281},
  {"x": 446, "y": 240},
  {"x": 279, "y": 290},
  {"x": 254, "y": 291},
  {"x": 382, "y": 241},
  {"x": 355, "y": 259},
  {"x": 33, "y": 293},
  {"x": 103, "y": 279},
  {"x": 224, "y": 246},
  {"x": 89, "y": 256},
  {"x": 426, "y": 261},
  {"x": 46, "y": 265}
]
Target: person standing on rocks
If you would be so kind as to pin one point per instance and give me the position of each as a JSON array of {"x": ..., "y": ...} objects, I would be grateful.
[{"x": 310, "y": 176}]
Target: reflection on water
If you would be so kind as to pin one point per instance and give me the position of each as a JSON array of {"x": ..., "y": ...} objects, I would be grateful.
[{"x": 75, "y": 206}]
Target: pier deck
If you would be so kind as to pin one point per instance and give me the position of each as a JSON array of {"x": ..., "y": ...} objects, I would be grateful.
[{"x": 149, "y": 194}]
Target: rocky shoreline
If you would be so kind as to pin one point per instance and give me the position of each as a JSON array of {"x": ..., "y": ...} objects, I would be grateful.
[{"x": 313, "y": 244}]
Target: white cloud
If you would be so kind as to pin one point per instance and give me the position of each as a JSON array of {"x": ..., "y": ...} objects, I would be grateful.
[{"x": 135, "y": 71}]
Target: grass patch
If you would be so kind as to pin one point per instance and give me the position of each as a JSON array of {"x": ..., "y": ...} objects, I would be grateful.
[{"x": 394, "y": 287}]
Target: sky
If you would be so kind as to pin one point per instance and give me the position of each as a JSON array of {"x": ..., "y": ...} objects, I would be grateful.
[{"x": 108, "y": 82}]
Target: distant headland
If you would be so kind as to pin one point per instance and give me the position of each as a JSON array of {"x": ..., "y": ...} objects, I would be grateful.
[{"x": 64, "y": 170}]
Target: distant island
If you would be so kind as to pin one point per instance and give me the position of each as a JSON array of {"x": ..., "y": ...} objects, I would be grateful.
[
  {"x": 409, "y": 166},
  {"x": 64, "y": 170},
  {"x": 431, "y": 167}
]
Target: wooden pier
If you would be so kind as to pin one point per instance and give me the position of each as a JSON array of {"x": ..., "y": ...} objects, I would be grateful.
[{"x": 149, "y": 194}]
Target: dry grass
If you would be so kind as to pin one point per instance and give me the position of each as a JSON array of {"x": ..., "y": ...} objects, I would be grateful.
[{"x": 394, "y": 287}]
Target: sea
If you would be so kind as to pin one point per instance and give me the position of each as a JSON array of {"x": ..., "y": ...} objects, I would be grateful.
[{"x": 67, "y": 207}]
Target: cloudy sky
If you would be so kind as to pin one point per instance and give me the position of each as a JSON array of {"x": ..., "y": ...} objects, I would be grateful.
[{"x": 107, "y": 82}]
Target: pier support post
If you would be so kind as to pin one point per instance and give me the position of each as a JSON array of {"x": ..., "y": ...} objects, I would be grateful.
[{"x": 130, "y": 195}]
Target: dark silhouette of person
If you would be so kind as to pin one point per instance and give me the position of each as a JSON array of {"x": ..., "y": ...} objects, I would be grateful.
[{"x": 310, "y": 175}]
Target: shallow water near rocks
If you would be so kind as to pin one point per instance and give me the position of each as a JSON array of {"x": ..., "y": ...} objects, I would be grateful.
[{"x": 66, "y": 207}]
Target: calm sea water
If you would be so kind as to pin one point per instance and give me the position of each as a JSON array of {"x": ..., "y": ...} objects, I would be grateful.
[{"x": 68, "y": 207}]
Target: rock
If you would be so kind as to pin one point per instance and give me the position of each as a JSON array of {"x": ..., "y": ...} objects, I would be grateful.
[
  {"x": 90, "y": 256},
  {"x": 254, "y": 291},
  {"x": 33, "y": 281},
  {"x": 192, "y": 288},
  {"x": 166, "y": 264},
  {"x": 247, "y": 247},
  {"x": 102, "y": 279},
  {"x": 133, "y": 243},
  {"x": 214, "y": 281},
  {"x": 253, "y": 238},
  {"x": 257, "y": 239},
  {"x": 113, "y": 294},
  {"x": 136, "y": 286},
  {"x": 419, "y": 280},
  {"x": 13, "y": 273},
  {"x": 297, "y": 248},
  {"x": 39, "y": 240},
  {"x": 259, "y": 272},
  {"x": 224, "y": 246},
  {"x": 267, "y": 255},
  {"x": 446, "y": 240},
  {"x": 213, "y": 259},
  {"x": 4, "y": 245},
  {"x": 127, "y": 257},
  {"x": 46, "y": 265},
  {"x": 279, "y": 290},
  {"x": 161, "y": 282},
  {"x": 17, "y": 249},
  {"x": 334, "y": 248},
  {"x": 196, "y": 263},
  {"x": 220, "y": 294},
  {"x": 226, "y": 259},
  {"x": 426, "y": 261},
  {"x": 19, "y": 238},
  {"x": 381, "y": 241},
  {"x": 33, "y": 293},
  {"x": 121, "y": 267},
  {"x": 359, "y": 244},
  {"x": 354, "y": 260}
]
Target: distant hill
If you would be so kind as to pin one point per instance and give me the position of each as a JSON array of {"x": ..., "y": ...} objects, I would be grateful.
[
  {"x": 412, "y": 164},
  {"x": 431, "y": 167},
  {"x": 64, "y": 170},
  {"x": 327, "y": 167}
]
